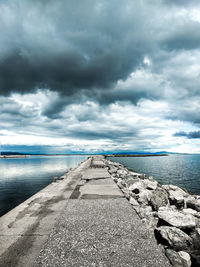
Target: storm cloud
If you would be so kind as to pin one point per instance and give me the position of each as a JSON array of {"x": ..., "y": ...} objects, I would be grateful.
[
  {"x": 189, "y": 135},
  {"x": 66, "y": 47},
  {"x": 88, "y": 74}
]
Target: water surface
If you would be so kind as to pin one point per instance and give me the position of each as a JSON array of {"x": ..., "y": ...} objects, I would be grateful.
[
  {"x": 21, "y": 178},
  {"x": 180, "y": 170}
]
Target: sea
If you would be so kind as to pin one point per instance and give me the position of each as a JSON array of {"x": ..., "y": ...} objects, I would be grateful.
[
  {"x": 20, "y": 178},
  {"x": 182, "y": 170}
]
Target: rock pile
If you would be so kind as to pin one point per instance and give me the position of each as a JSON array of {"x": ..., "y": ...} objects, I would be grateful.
[{"x": 171, "y": 212}]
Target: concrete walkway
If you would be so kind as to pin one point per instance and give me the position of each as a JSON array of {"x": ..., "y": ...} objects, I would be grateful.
[
  {"x": 98, "y": 227},
  {"x": 25, "y": 229}
]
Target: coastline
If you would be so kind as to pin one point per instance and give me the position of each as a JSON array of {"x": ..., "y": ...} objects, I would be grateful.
[{"x": 13, "y": 156}]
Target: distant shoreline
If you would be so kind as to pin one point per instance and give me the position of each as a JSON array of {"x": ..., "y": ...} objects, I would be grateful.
[
  {"x": 108, "y": 155},
  {"x": 13, "y": 156},
  {"x": 137, "y": 155}
]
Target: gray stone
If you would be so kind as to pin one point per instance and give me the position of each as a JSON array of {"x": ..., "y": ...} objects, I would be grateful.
[
  {"x": 190, "y": 211},
  {"x": 137, "y": 187},
  {"x": 176, "y": 195},
  {"x": 136, "y": 175},
  {"x": 115, "y": 179},
  {"x": 195, "y": 235},
  {"x": 159, "y": 198},
  {"x": 130, "y": 181},
  {"x": 145, "y": 212},
  {"x": 152, "y": 185},
  {"x": 175, "y": 237},
  {"x": 174, "y": 258},
  {"x": 133, "y": 202},
  {"x": 193, "y": 203},
  {"x": 112, "y": 170},
  {"x": 175, "y": 188},
  {"x": 121, "y": 183},
  {"x": 177, "y": 218},
  {"x": 185, "y": 258},
  {"x": 121, "y": 173},
  {"x": 144, "y": 197}
]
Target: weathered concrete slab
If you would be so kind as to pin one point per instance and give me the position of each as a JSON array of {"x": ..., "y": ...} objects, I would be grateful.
[
  {"x": 97, "y": 164},
  {"x": 100, "y": 232},
  {"x": 102, "y": 181},
  {"x": 97, "y": 173},
  {"x": 97, "y": 191}
]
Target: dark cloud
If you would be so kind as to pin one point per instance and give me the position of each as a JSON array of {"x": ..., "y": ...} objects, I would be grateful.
[
  {"x": 113, "y": 71},
  {"x": 184, "y": 35},
  {"x": 181, "y": 2},
  {"x": 116, "y": 135},
  {"x": 190, "y": 135},
  {"x": 83, "y": 46}
]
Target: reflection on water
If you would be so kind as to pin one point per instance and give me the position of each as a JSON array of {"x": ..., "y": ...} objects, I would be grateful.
[
  {"x": 21, "y": 178},
  {"x": 181, "y": 170}
]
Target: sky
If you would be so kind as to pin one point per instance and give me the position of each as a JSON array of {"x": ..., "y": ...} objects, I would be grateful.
[{"x": 98, "y": 75}]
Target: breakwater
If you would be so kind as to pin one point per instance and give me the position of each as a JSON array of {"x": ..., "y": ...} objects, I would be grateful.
[
  {"x": 102, "y": 214},
  {"x": 171, "y": 212}
]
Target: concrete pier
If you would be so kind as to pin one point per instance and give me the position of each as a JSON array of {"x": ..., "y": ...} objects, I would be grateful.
[{"x": 83, "y": 220}]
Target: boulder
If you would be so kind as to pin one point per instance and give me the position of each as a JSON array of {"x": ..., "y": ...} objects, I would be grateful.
[
  {"x": 193, "y": 203},
  {"x": 133, "y": 202},
  {"x": 174, "y": 237},
  {"x": 159, "y": 198},
  {"x": 176, "y": 198},
  {"x": 121, "y": 173},
  {"x": 197, "y": 215},
  {"x": 131, "y": 180},
  {"x": 137, "y": 187},
  {"x": 144, "y": 197},
  {"x": 178, "y": 259},
  {"x": 151, "y": 185},
  {"x": 169, "y": 187},
  {"x": 112, "y": 170},
  {"x": 177, "y": 218},
  {"x": 190, "y": 211},
  {"x": 185, "y": 258},
  {"x": 121, "y": 183},
  {"x": 115, "y": 179},
  {"x": 145, "y": 212},
  {"x": 137, "y": 175},
  {"x": 195, "y": 235},
  {"x": 176, "y": 195},
  {"x": 174, "y": 258}
]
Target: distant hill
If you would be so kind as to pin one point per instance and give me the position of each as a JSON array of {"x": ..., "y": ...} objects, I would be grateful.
[{"x": 11, "y": 153}]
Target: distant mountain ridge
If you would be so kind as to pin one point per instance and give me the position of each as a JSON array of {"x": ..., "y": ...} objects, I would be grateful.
[
  {"x": 86, "y": 153},
  {"x": 10, "y": 153}
]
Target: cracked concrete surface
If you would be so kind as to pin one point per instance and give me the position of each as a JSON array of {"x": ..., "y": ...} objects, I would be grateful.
[
  {"x": 24, "y": 230},
  {"x": 83, "y": 220}
]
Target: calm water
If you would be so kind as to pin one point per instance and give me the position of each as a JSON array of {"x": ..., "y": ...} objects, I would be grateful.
[
  {"x": 21, "y": 178},
  {"x": 181, "y": 170}
]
